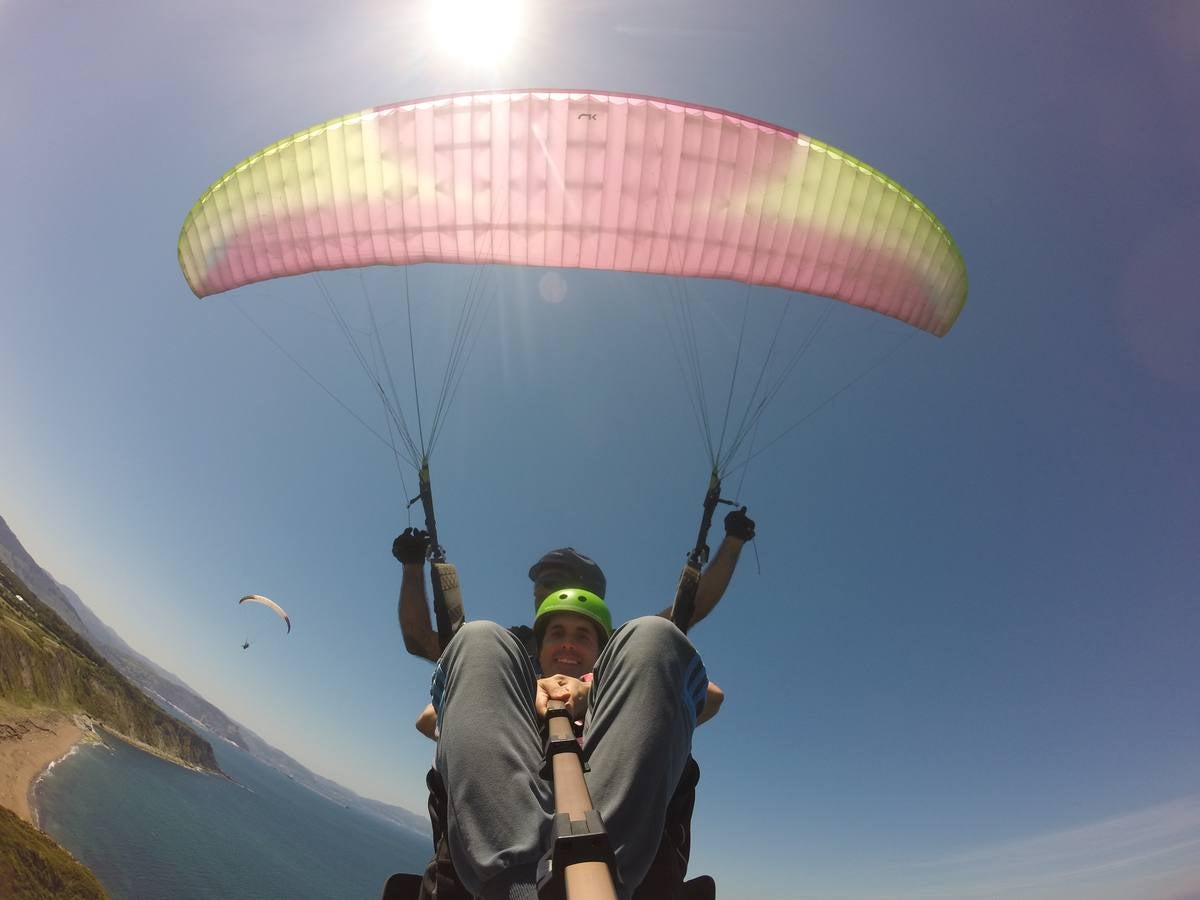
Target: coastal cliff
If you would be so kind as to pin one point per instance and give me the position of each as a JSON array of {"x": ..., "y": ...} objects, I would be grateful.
[
  {"x": 33, "y": 867},
  {"x": 88, "y": 638},
  {"x": 44, "y": 662}
]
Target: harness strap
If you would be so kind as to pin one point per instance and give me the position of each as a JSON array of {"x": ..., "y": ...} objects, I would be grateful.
[
  {"x": 689, "y": 579},
  {"x": 447, "y": 595},
  {"x": 447, "y": 600}
]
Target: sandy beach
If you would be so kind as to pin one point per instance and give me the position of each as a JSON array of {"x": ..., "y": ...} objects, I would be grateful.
[{"x": 30, "y": 740}]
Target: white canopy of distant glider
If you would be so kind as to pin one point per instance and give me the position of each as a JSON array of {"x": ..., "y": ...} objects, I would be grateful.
[{"x": 270, "y": 604}]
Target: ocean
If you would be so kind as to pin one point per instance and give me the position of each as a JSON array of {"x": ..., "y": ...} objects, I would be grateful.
[{"x": 151, "y": 830}]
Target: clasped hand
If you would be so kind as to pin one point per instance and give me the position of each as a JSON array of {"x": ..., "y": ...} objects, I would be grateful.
[{"x": 571, "y": 691}]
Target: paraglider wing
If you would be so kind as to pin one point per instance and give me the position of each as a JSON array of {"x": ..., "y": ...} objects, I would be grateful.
[
  {"x": 270, "y": 604},
  {"x": 576, "y": 179}
]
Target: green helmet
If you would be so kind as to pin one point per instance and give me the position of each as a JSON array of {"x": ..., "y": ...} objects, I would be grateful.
[{"x": 578, "y": 601}]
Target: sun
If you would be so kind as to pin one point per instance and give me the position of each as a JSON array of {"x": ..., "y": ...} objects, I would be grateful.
[{"x": 476, "y": 31}]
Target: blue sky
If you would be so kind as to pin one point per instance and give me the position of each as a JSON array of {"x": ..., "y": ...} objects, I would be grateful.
[{"x": 961, "y": 658}]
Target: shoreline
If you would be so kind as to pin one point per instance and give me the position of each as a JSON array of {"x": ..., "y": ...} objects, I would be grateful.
[
  {"x": 32, "y": 742},
  {"x": 35, "y": 817}
]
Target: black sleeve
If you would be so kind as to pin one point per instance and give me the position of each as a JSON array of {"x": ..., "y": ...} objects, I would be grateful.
[{"x": 524, "y": 634}]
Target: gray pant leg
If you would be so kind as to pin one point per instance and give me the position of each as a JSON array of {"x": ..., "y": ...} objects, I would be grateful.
[
  {"x": 489, "y": 753},
  {"x": 649, "y": 686}
]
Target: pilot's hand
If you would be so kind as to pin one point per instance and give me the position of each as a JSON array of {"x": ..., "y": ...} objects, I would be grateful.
[
  {"x": 411, "y": 546},
  {"x": 739, "y": 525}
]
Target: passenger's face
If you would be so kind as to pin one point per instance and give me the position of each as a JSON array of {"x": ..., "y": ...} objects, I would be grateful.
[{"x": 570, "y": 646}]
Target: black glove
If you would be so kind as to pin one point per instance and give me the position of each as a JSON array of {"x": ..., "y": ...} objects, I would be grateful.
[
  {"x": 739, "y": 525},
  {"x": 411, "y": 546}
]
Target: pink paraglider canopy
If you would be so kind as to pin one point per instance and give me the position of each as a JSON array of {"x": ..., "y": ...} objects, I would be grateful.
[{"x": 576, "y": 179}]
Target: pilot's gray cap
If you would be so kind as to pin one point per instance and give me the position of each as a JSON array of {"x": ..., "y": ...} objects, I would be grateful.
[{"x": 584, "y": 568}]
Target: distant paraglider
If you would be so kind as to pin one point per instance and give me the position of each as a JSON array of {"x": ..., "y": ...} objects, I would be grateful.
[{"x": 270, "y": 604}]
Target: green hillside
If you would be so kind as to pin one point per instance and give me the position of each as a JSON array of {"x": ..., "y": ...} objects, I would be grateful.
[{"x": 33, "y": 867}]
